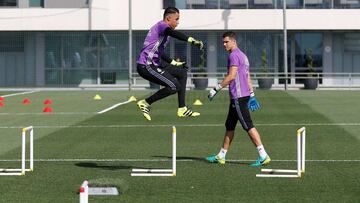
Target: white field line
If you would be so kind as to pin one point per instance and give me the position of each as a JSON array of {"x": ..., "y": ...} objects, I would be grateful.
[
  {"x": 180, "y": 125},
  {"x": 166, "y": 160},
  {"x": 63, "y": 113},
  {"x": 53, "y": 113},
  {"x": 114, "y": 106},
  {"x": 20, "y": 93}
]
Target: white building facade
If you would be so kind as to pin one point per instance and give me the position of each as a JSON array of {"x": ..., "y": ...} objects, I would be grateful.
[{"x": 85, "y": 42}]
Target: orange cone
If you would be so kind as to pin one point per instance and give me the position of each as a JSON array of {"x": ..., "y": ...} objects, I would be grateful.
[
  {"x": 26, "y": 101},
  {"x": 47, "y": 109},
  {"x": 1, "y": 104},
  {"x": 48, "y": 101}
]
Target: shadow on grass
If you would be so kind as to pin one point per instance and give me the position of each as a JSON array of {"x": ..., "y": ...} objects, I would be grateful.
[
  {"x": 106, "y": 167},
  {"x": 203, "y": 160}
]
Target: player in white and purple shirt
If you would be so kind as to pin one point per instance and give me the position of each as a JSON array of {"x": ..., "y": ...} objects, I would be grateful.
[
  {"x": 239, "y": 87},
  {"x": 173, "y": 77},
  {"x": 242, "y": 98}
]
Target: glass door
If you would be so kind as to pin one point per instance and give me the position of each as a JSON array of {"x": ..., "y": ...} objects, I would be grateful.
[{"x": 308, "y": 54}]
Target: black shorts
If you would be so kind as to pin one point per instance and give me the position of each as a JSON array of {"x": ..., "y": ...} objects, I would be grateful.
[
  {"x": 166, "y": 76},
  {"x": 239, "y": 111}
]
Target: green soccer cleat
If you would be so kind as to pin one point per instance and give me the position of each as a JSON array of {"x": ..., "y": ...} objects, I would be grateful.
[
  {"x": 144, "y": 108},
  {"x": 261, "y": 161},
  {"x": 215, "y": 159},
  {"x": 186, "y": 112}
]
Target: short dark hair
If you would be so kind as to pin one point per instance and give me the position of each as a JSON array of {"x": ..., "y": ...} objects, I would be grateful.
[
  {"x": 170, "y": 10},
  {"x": 230, "y": 34}
]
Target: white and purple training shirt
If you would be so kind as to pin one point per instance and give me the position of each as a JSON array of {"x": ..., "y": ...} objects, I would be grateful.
[
  {"x": 154, "y": 45},
  {"x": 239, "y": 87}
]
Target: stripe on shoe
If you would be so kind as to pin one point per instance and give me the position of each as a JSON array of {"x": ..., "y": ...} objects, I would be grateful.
[
  {"x": 145, "y": 110},
  {"x": 188, "y": 112}
]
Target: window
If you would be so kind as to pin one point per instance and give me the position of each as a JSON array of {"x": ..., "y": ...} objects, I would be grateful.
[
  {"x": 234, "y": 4},
  {"x": 256, "y": 45},
  {"x": 36, "y": 3},
  {"x": 308, "y": 45},
  {"x": 168, "y": 3},
  {"x": 253, "y": 44},
  {"x": 9, "y": 3},
  {"x": 180, "y": 50},
  {"x": 67, "y": 4},
  {"x": 198, "y": 57},
  {"x": 80, "y": 57},
  {"x": 205, "y": 4},
  {"x": 11, "y": 42},
  {"x": 138, "y": 43},
  {"x": 262, "y": 4},
  {"x": 346, "y": 4}
]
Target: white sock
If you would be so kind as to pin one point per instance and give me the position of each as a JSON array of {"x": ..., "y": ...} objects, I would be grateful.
[
  {"x": 261, "y": 150},
  {"x": 222, "y": 153}
]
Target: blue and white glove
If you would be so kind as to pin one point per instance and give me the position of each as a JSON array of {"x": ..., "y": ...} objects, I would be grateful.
[
  {"x": 253, "y": 104},
  {"x": 214, "y": 91}
]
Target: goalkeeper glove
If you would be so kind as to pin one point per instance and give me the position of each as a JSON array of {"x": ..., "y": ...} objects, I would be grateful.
[
  {"x": 253, "y": 104},
  {"x": 179, "y": 64},
  {"x": 197, "y": 43},
  {"x": 214, "y": 91}
]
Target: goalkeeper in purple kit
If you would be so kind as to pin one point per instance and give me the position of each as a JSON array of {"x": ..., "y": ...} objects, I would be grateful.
[
  {"x": 148, "y": 64},
  {"x": 242, "y": 98}
]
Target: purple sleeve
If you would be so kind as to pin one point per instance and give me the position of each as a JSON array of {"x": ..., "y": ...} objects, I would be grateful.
[
  {"x": 161, "y": 28},
  {"x": 233, "y": 61}
]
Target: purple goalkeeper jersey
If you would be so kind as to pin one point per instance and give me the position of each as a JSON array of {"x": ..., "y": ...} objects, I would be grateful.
[
  {"x": 239, "y": 87},
  {"x": 154, "y": 45}
]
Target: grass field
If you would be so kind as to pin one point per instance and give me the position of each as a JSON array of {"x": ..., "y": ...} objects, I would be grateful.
[{"x": 75, "y": 143}]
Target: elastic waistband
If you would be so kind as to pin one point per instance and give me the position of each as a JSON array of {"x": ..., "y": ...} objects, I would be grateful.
[
  {"x": 141, "y": 65},
  {"x": 241, "y": 98}
]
